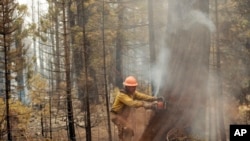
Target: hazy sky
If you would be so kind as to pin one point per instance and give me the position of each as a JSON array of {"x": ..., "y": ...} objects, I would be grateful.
[{"x": 42, "y": 7}]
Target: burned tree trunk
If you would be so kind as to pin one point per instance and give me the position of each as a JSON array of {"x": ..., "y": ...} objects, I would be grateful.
[
  {"x": 8, "y": 28},
  {"x": 70, "y": 113},
  {"x": 119, "y": 47},
  {"x": 186, "y": 71}
]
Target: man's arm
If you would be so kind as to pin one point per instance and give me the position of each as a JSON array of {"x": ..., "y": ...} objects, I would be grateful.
[
  {"x": 129, "y": 101},
  {"x": 144, "y": 97}
]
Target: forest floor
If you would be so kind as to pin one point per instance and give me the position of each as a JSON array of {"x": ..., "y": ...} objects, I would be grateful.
[{"x": 138, "y": 120}]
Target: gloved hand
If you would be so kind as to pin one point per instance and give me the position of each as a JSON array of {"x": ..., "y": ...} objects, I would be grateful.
[
  {"x": 150, "y": 105},
  {"x": 159, "y": 99}
]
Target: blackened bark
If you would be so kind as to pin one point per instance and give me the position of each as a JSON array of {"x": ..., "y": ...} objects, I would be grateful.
[
  {"x": 188, "y": 43},
  {"x": 68, "y": 77},
  {"x": 119, "y": 48}
]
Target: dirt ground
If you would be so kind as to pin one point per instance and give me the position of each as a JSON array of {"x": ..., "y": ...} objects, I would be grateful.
[{"x": 138, "y": 119}]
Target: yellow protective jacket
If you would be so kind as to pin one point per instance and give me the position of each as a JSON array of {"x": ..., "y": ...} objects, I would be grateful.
[{"x": 122, "y": 99}]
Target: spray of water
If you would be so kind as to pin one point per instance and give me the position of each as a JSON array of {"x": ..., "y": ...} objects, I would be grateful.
[{"x": 159, "y": 71}]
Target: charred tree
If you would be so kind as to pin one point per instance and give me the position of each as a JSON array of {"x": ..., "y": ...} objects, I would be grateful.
[
  {"x": 8, "y": 30},
  {"x": 188, "y": 42},
  {"x": 68, "y": 75},
  {"x": 57, "y": 46},
  {"x": 86, "y": 52},
  {"x": 83, "y": 15},
  {"x": 119, "y": 47},
  {"x": 105, "y": 71},
  {"x": 78, "y": 50}
]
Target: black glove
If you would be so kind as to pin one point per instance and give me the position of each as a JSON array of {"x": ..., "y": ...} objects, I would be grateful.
[{"x": 159, "y": 99}]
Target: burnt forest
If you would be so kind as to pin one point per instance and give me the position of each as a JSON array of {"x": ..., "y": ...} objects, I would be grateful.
[{"x": 62, "y": 63}]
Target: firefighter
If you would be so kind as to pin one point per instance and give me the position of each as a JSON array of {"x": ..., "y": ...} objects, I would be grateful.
[{"x": 124, "y": 101}]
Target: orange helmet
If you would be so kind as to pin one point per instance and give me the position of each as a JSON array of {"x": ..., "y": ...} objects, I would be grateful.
[{"x": 130, "y": 81}]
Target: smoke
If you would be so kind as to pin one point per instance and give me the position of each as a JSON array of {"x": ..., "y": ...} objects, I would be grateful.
[
  {"x": 183, "y": 16},
  {"x": 195, "y": 17}
]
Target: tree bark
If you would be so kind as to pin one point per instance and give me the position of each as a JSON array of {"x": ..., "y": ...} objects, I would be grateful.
[
  {"x": 119, "y": 48},
  {"x": 187, "y": 72},
  {"x": 68, "y": 76}
]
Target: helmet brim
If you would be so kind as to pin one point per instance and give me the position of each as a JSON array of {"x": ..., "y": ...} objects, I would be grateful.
[{"x": 126, "y": 84}]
